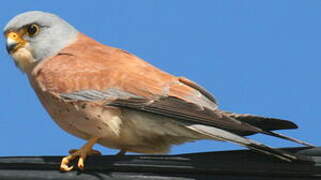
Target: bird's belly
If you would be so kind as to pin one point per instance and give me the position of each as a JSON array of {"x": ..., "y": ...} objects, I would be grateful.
[
  {"x": 84, "y": 120},
  {"x": 149, "y": 133}
]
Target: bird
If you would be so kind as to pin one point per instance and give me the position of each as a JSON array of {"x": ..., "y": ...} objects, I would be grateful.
[{"x": 108, "y": 96}]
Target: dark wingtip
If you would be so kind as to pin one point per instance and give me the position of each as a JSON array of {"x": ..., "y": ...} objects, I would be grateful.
[
  {"x": 284, "y": 124},
  {"x": 264, "y": 123}
]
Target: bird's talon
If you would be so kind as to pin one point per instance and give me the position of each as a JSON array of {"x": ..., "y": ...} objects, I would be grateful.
[
  {"x": 73, "y": 155},
  {"x": 64, "y": 166},
  {"x": 81, "y": 154},
  {"x": 81, "y": 163}
]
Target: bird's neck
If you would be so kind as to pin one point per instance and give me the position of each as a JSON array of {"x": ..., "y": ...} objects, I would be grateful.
[{"x": 24, "y": 60}]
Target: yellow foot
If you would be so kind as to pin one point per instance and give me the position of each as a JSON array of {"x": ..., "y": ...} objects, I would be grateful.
[{"x": 82, "y": 153}]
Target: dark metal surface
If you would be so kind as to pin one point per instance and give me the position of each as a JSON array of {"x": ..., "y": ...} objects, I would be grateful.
[{"x": 225, "y": 165}]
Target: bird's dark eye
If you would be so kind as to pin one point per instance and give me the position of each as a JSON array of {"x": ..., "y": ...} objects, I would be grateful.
[{"x": 33, "y": 29}]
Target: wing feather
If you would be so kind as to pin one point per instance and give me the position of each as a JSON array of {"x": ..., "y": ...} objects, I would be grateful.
[{"x": 185, "y": 111}]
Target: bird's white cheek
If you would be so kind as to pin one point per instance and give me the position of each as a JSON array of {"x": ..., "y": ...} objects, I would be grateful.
[{"x": 24, "y": 59}]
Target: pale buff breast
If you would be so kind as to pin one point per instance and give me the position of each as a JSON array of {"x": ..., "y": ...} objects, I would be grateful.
[{"x": 83, "y": 120}]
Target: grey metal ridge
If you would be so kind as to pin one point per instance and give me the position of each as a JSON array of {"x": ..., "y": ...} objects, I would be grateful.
[{"x": 222, "y": 164}]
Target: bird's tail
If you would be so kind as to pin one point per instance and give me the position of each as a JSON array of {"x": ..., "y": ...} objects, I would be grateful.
[
  {"x": 223, "y": 135},
  {"x": 267, "y": 125},
  {"x": 279, "y": 135}
]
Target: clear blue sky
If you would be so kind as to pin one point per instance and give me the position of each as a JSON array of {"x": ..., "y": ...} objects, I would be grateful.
[{"x": 260, "y": 57}]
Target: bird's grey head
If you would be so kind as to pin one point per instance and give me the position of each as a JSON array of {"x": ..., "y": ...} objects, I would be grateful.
[{"x": 38, "y": 33}]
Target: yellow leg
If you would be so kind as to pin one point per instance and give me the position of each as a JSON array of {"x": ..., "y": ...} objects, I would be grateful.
[{"x": 82, "y": 153}]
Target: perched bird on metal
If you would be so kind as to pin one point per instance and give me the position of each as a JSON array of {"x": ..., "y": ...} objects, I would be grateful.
[{"x": 108, "y": 96}]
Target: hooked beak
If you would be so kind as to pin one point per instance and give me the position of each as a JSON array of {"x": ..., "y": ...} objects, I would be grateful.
[
  {"x": 14, "y": 42},
  {"x": 11, "y": 45}
]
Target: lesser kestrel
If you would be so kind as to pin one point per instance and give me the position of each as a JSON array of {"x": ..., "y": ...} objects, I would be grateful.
[{"x": 108, "y": 96}]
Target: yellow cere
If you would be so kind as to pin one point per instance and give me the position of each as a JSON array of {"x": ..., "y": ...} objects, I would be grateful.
[{"x": 17, "y": 37}]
